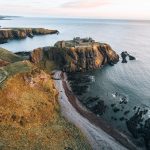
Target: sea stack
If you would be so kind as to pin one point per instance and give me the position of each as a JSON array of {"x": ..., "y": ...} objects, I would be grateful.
[{"x": 124, "y": 56}]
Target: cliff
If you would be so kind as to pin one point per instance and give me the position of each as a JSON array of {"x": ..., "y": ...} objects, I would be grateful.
[
  {"x": 21, "y": 33},
  {"x": 79, "y": 58}
]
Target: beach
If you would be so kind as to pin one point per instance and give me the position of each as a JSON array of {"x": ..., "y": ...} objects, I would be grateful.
[{"x": 99, "y": 134}]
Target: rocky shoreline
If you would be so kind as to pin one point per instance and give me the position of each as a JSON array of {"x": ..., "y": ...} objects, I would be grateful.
[
  {"x": 97, "y": 122},
  {"x": 133, "y": 122},
  {"x": 22, "y": 33},
  {"x": 83, "y": 57}
]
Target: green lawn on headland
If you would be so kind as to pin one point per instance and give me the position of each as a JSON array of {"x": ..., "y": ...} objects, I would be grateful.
[{"x": 9, "y": 56}]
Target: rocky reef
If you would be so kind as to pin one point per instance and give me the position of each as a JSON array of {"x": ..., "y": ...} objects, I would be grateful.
[
  {"x": 139, "y": 127},
  {"x": 21, "y": 33},
  {"x": 124, "y": 56},
  {"x": 71, "y": 56}
]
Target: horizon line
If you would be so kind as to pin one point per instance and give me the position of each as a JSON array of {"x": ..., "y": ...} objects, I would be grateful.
[{"x": 84, "y": 18}]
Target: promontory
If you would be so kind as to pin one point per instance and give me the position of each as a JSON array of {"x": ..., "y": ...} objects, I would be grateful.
[
  {"x": 76, "y": 55},
  {"x": 21, "y": 33}
]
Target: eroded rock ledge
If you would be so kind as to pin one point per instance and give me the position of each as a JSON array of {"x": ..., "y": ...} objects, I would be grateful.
[
  {"x": 77, "y": 55},
  {"x": 21, "y": 33}
]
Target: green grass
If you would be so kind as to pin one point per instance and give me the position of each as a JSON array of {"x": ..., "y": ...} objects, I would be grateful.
[
  {"x": 12, "y": 69},
  {"x": 47, "y": 65},
  {"x": 17, "y": 67},
  {"x": 9, "y": 56}
]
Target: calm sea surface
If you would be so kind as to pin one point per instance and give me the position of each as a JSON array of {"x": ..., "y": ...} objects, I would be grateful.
[{"x": 131, "y": 80}]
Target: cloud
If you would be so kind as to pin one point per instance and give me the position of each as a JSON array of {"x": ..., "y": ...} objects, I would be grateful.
[{"x": 85, "y": 3}]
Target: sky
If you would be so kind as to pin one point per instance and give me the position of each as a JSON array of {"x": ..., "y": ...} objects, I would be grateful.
[{"x": 104, "y": 9}]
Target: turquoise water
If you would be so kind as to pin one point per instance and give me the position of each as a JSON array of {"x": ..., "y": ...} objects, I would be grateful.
[{"x": 131, "y": 80}]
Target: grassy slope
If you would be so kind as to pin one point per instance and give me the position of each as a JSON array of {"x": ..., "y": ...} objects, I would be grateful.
[
  {"x": 29, "y": 112},
  {"x": 47, "y": 65},
  {"x": 18, "y": 67},
  {"x": 9, "y": 56}
]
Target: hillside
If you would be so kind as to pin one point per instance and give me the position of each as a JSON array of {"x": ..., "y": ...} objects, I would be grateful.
[
  {"x": 30, "y": 115},
  {"x": 8, "y": 56}
]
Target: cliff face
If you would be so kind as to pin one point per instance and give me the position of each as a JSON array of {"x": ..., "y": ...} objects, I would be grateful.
[
  {"x": 80, "y": 58},
  {"x": 21, "y": 33}
]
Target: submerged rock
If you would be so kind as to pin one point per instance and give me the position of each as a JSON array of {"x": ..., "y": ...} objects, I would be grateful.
[
  {"x": 135, "y": 126},
  {"x": 99, "y": 108},
  {"x": 131, "y": 57},
  {"x": 2, "y": 41},
  {"x": 122, "y": 119},
  {"x": 126, "y": 112},
  {"x": 116, "y": 110},
  {"x": 112, "y": 105},
  {"x": 147, "y": 133}
]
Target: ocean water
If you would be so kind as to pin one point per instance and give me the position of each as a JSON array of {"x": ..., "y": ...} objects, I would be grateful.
[{"x": 111, "y": 84}]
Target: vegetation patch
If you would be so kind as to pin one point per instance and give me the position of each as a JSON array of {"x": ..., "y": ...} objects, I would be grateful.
[
  {"x": 30, "y": 115},
  {"x": 9, "y": 56}
]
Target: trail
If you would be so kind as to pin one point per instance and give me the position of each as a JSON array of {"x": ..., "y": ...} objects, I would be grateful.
[{"x": 98, "y": 139}]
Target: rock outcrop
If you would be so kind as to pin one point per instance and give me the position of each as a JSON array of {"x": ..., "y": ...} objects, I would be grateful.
[
  {"x": 80, "y": 58},
  {"x": 21, "y": 33},
  {"x": 124, "y": 55},
  {"x": 139, "y": 127}
]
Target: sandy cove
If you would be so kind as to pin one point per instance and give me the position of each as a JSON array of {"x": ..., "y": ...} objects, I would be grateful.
[{"x": 99, "y": 134}]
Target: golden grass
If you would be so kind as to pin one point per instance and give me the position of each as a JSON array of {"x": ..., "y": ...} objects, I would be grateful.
[
  {"x": 34, "y": 103},
  {"x": 30, "y": 118},
  {"x": 47, "y": 65}
]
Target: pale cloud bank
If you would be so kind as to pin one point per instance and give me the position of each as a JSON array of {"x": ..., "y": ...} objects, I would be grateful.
[
  {"x": 85, "y": 3},
  {"x": 105, "y": 9}
]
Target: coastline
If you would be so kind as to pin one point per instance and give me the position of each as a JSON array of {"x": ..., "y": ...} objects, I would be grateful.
[
  {"x": 99, "y": 134},
  {"x": 7, "y": 34}
]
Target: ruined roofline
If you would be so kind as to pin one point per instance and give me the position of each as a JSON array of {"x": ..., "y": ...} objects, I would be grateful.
[{"x": 76, "y": 42}]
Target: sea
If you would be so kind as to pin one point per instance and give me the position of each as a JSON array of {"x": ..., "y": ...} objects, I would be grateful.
[{"x": 125, "y": 87}]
